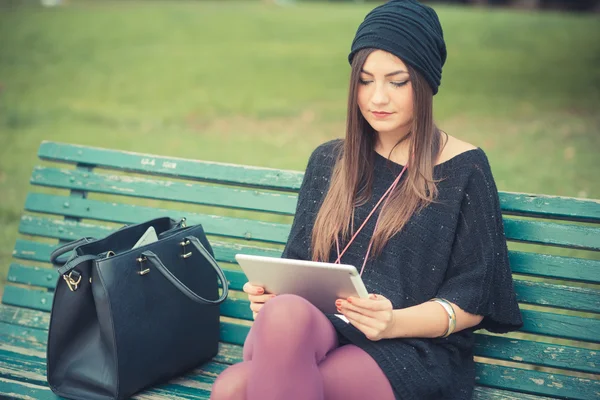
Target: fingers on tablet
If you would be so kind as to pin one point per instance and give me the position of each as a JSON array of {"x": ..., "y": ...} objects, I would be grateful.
[
  {"x": 260, "y": 298},
  {"x": 252, "y": 289}
]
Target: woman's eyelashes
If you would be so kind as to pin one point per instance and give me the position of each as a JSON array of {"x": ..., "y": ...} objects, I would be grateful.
[
  {"x": 393, "y": 83},
  {"x": 399, "y": 84}
]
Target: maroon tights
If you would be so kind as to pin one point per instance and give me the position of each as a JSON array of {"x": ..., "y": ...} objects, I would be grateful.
[{"x": 292, "y": 353}]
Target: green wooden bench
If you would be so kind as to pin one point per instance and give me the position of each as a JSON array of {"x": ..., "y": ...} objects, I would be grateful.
[{"x": 248, "y": 209}]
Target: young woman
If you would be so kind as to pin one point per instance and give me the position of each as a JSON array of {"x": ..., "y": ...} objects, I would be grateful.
[{"x": 417, "y": 211}]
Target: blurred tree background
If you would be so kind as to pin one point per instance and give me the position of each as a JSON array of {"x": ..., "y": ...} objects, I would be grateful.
[{"x": 264, "y": 82}]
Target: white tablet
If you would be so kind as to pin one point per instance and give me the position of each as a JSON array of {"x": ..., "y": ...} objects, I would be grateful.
[
  {"x": 320, "y": 283},
  {"x": 148, "y": 237}
]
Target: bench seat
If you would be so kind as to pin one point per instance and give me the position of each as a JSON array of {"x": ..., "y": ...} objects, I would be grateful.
[{"x": 247, "y": 209}]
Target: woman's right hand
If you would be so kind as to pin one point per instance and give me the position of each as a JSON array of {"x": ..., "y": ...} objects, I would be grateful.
[{"x": 257, "y": 296}]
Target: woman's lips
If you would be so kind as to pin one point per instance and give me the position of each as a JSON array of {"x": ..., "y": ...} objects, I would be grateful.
[{"x": 381, "y": 114}]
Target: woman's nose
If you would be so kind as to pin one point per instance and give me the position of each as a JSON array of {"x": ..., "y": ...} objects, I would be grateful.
[{"x": 380, "y": 95}]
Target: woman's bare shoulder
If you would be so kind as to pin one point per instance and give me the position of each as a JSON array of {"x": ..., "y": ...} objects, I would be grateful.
[{"x": 453, "y": 147}]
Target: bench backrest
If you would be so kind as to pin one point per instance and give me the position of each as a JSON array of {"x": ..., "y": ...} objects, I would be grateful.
[{"x": 248, "y": 209}]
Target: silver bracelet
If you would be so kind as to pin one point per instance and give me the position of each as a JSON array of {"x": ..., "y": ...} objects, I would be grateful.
[{"x": 451, "y": 315}]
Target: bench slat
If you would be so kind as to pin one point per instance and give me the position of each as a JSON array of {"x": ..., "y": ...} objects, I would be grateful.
[
  {"x": 561, "y": 326},
  {"x": 33, "y": 369},
  {"x": 132, "y": 214},
  {"x": 497, "y": 347},
  {"x": 72, "y": 230},
  {"x": 254, "y": 200},
  {"x": 38, "y": 319},
  {"x": 46, "y": 277},
  {"x": 542, "y": 323},
  {"x": 65, "y": 230},
  {"x": 551, "y": 233},
  {"x": 35, "y": 341},
  {"x": 171, "y": 166},
  {"x": 538, "y": 353},
  {"x": 536, "y": 382},
  {"x": 24, "y": 317},
  {"x": 16, "y": 365},
  {"x": 42, "y": 300},
  {"x": 560, "y": 296},
  {"x": 538, "y": 293},
  {"x": 224, "y": 252},
  {"x": 558, "y": 267},
  {"x": 556, "y": 234},
  {"x": 200, "y": 378},
  {"x": 550, "y": 206},
  {"x": 517, "y": 203},
  {"x": 33, "y": 251},
  {"x": 33, "y": 276},
  {"x": 521, "y": 262},
  {"x": 485, "y": 393},
  {"x": 32, "y": 326},
  {"x": 23, "y": 390},
  {"x": 534, "y": 264}
]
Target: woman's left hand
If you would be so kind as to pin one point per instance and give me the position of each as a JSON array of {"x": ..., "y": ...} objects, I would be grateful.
[{"x": 373, "y": 316}]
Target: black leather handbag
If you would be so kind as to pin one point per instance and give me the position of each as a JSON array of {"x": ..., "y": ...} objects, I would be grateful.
[{"x": 124, "y": 319}]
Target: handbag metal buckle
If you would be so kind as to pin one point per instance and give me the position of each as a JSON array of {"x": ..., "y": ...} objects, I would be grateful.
[
  {"x": 183, "y": 244},
  {"x": 72, "y": 282},
  {"x": 141, "y": 261}
]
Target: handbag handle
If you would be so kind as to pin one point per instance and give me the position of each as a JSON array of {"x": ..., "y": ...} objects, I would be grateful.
[
  {"x": 65, "y": 248},
  {"x": 157, "y": 263}
]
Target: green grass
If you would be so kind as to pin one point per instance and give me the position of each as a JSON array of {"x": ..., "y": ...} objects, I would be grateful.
[{"x": 251, "y": 83}]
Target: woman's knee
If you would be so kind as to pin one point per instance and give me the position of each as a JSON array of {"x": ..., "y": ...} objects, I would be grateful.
[
  {"x": 287, "y": 325},
  {"x": 231, "y": 383},
  {"x": 287, "y": 312}
]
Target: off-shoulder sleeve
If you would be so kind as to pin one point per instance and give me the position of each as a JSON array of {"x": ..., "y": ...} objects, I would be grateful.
[{"x": 479, "y": 278}]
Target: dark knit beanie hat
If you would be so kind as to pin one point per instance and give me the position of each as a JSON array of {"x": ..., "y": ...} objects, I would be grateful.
[{"x": 409, "y": 30}]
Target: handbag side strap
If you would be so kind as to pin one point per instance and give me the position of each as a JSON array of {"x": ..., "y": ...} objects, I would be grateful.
[
  {"x": 65, "y": 248},
  {"x": 157, "y": 263},
  {"x": 71, "y": 264},
  {"x": 70, "y": 273}
]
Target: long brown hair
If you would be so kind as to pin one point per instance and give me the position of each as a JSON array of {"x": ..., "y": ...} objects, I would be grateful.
[{"x": 351, "y": 182}]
